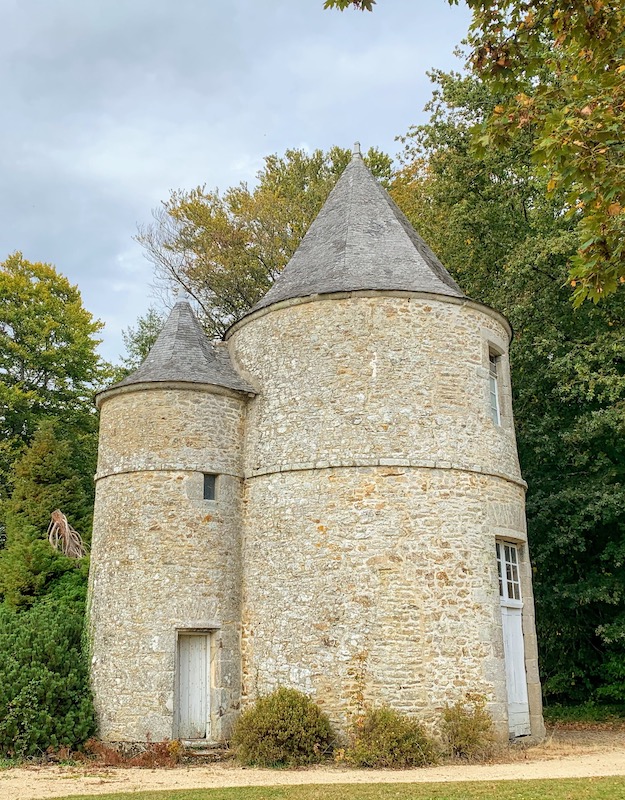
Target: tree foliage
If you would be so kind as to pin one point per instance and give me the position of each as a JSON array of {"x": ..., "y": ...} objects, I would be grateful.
[
  {"x": 558, "y": 67},
  {"x": 560, "y": 70},
  {"x": 46, "y": 477},
  {"x": 138, "y": 341},
  {"x": 48, "y": 361},
  {"x": 226, "y": 249},
  {"x": 508, "y": 243},
  {"x": 48, "y": 370},
  {"x": 44, "y": 688},
  {"x": 45, "y": 699},
  {"x": 361, "y": 5}
]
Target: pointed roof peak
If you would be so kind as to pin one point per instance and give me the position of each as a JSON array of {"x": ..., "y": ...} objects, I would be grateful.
[
  {"x": 360, "y": 241},
  {"x": 182, "y": 296},
  {"x": 183, "y": 353}
]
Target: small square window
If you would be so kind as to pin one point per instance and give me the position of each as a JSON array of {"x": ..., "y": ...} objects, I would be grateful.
[{"x": 210, "y": 486}]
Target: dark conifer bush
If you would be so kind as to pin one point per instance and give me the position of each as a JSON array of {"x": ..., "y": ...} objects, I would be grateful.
[
  {"x": 45, "y": 699},
  {"x": 45, "y": 478},
  {"x": 283, "y": 729}
]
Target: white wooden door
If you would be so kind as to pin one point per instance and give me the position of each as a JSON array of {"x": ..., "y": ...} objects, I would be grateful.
[
  {"x": 514, "y": 650},
  {"x": 193, "y": 686}
]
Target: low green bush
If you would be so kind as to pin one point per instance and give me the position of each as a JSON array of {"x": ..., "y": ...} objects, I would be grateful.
[
  {"x": 45, "y": 701},
  {"x": 585, "y": 713},
  {"x": 283, "y": 729},
  {"x": 467, "y": 729},
  {"x": 383, "y": 737}
]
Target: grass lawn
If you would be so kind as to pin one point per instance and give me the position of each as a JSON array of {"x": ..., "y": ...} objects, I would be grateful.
[{"x": 567, "y": 789}]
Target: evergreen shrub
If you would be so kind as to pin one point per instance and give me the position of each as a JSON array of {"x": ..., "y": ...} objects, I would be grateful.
[
  {"x": 45, "y": 701},
  {"x": 467, "y": 729},
  {"x": 383, "y": 737},
  {"x": 282, "y": 729}
]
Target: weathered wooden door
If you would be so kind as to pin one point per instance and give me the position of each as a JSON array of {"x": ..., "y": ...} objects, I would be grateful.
[
  {"x": 193, "y": 686},
  {"x": 514, "y": 650}
]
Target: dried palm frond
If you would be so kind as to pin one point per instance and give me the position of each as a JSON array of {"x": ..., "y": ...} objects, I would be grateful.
[{"x": 63, "y": 537}]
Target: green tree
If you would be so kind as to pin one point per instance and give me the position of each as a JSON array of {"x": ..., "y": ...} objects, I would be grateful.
[
  {"x": 226, "y": 250},
  {"x": 139, "y": 340},
  {"x": 45, "y": 478},
  {"x": 44, "y": 685},
  {"x": 508, "y": 243},
  {"x": 49, "y": 366},
  {"x": 558, "y": 67}
]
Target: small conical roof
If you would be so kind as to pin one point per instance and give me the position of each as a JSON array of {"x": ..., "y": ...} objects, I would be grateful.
[
  {"x": 360, "y": 240},
  {"x": 183, "y": 353}
]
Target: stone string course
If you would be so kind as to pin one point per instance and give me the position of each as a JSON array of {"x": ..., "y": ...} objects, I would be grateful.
[{"x": 384, "y": 462}]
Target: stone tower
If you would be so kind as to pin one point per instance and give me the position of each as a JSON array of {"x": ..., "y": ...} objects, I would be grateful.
[
  {"x": 366, "y": 541},
  {"x": 166, "y": 562}
]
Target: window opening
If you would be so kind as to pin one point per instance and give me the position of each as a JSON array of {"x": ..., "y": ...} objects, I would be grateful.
[
  {"x": 508, "y": 570},
  {"x": 513, "y": 642},
  {"x": 493, "y": 373},
  {"x": 210, "y": 486}
]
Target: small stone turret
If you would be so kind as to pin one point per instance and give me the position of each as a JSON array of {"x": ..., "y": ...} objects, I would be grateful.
[
  {"x": 330, "y": 500},
  {"x": 166, "y": 572}
]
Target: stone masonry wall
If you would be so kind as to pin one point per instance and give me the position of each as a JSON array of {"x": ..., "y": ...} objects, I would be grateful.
[
  {"x": 163, "y": 558},
  {"x": 355, "y": 379},
  {"x": 376, "y": 483},
  {"x": 171, "y": 428},
  {"x": 376, "y": 580}
]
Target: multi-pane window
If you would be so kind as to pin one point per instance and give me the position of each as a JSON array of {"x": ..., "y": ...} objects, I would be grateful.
[
  {"x": 493, "y": 375},
  {"x": 210, "y": 486},
  {"x": 508, "y": 569}
]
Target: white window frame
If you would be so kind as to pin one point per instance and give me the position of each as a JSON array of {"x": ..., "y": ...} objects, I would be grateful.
[{"x": 509, "y": 565}]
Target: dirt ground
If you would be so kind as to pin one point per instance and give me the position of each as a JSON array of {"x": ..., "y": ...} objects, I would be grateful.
[{"x": 564, "y": 754}]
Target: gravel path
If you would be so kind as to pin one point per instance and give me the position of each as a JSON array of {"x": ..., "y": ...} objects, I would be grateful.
[{"x": 561, "y": 756}]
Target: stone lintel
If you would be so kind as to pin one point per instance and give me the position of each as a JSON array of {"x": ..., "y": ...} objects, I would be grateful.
[{"x": 201, "y": 626}]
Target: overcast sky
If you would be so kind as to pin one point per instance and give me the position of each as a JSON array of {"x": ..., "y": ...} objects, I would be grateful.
[{"x": 108, "y": 104}]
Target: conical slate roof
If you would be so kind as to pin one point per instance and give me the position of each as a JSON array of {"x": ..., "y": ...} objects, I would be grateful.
[
  {"x": 360, "y": 240},
  {"x": 183, "y": 353}
]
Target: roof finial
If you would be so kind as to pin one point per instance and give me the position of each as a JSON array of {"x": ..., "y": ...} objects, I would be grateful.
[
  {"x": 356, "y": 150},
  {"x": 181, "y": 294}
]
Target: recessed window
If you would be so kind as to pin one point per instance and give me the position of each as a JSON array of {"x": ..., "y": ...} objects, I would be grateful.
[
  {"x": 508, "y": 568},
  {"x": 494, "y": 361},
  {"x": 210, "y": 486}
]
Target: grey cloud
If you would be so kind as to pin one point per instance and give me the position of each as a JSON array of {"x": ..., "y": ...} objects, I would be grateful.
[{"x": 109, "y": 104}]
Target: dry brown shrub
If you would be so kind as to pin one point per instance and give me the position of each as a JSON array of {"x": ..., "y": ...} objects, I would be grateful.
[{"x": 467, "y": 729}]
